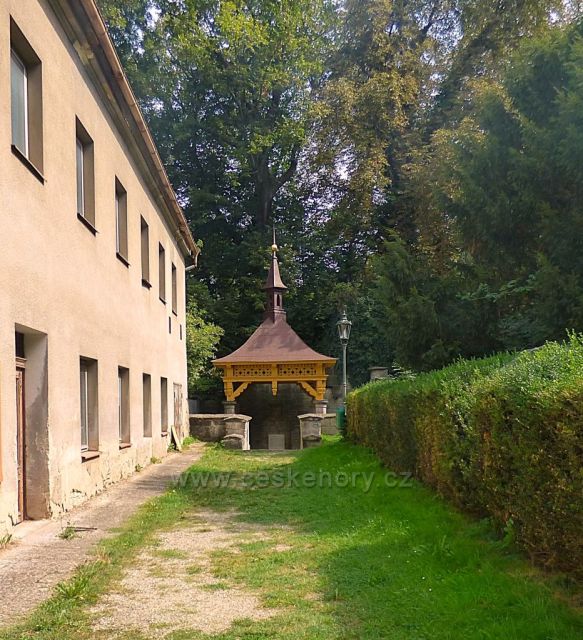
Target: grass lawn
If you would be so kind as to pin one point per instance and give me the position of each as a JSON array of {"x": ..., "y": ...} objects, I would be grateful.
[{"x": 390, "y": 562}]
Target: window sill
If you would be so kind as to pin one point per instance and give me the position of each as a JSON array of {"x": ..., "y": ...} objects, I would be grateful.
[
  {"x": 125, "y": 445},
  {"x": 164, "y": 434},
  {"x": 89, "y": 455},
  {"x": 162, "y": 301},
  {"x": 88, "y": 224},
  {"x": 122, "y": 259},
  {"x": 146, "y": 284},
  {"x": 28, "y": 164},
  {"x": 175, "y": 313}
]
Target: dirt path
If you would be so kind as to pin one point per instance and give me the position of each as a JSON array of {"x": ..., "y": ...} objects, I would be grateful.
[
  {"x": 171, "y": 586},
  {"x": 39, "y": 559}
]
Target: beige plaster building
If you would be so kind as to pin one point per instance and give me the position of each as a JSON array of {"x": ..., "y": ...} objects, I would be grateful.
[{"x": 93, "y": 250}]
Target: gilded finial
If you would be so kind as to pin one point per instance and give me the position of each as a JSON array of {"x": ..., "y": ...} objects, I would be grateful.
[{"x": 274, "y": 247}]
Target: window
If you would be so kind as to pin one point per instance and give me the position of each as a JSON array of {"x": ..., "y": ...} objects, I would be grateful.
[
  {"x": 123, "y": 406},
  {"x": 145, "y": 238},
  {"x": 162, "y": 273},
  {"x": 85, "y": 177},
  {"x": 164, "y": 405},
  {"x": 147, "y": 402},
  {"x": 26, "y": 102},
  {"x": 88, "y": 404},
  {"x": 174, "y": 292},
  {"x": 121, "y": 222}
]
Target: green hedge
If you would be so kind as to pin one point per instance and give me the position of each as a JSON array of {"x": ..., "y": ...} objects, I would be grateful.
[{"x": 500, "y": 437}]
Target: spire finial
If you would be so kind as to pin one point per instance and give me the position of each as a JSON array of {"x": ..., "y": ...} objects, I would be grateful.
[{"x": 274, "y": 246}]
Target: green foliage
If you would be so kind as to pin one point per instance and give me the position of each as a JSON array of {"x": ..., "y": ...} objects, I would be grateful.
[
  {"x": 496, "y": 262},
  {"x": 5, "y": 540},
  {"x": 202, "y": 338},
  {"x": 188, "y": 441},
  {"x": 500, "y": 437},
  {"x": 416, "y": 166},
  {"x": 68, "y": 532}
]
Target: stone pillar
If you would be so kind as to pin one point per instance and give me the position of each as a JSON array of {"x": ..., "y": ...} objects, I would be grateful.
[
  {"x": 237, "y": 432},
  {"x": 321, "y": 407},
  {"x": 229, "y": 407},
  {"x": 310, "y": 430},
  {"x": 378, "y": 373}
]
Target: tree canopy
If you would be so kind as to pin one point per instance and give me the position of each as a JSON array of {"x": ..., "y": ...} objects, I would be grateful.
[{"x": 420, "y": 159}]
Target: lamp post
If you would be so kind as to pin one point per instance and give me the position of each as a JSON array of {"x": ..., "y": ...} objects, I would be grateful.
[{"x": 344, "y": 325}]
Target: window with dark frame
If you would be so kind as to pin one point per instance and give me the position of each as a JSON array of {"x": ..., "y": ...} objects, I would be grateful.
[
  {"x": 26, "y": 102},
  {"x": 174, "y": 291},
  {"x": 145, "y": 244},
  {"x": 162, "y": 273},
  {"x": 85, "y": 176},
  {"x": 89, "y": 420},
  {"x": 123, "y": 406},
  {"x": 164, "y": 406},
  {"x": 121, "y": 222}
]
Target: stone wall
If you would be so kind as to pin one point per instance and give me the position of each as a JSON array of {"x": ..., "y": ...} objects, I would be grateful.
[
  {"x": 329, "y": 427},
  {"x": 230, "y": 429}
]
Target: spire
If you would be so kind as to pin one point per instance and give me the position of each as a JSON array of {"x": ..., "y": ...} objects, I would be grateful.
[
  {"x": 274, "y": 280},
  {"x": 274, "y": 287}
]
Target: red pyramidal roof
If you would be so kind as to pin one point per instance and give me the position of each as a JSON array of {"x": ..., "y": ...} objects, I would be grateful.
[{"x": 274, "y": 342}]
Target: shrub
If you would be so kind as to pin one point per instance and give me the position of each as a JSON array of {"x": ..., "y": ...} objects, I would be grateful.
[{"x": 499, "y": 437}]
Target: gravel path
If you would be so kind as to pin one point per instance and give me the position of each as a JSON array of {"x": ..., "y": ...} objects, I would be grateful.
[
  {"x": 170, "y": 585},
  {"x": 39, "y": 559}
]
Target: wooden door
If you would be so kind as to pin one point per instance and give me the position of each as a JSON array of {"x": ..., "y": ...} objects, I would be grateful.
[
  {"x": 178, "y": 409},
  {"x": 21, "y": 443}
]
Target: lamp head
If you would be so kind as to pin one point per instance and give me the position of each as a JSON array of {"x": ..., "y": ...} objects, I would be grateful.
[{"x": 344, "y": 326}]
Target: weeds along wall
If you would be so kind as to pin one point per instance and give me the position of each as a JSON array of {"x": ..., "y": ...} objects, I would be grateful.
[{"x": 500, "y": 437}]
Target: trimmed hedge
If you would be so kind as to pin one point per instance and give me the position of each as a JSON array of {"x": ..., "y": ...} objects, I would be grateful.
[{"x": 500, "y": 437}]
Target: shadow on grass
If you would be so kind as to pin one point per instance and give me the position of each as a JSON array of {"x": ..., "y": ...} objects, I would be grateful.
[{"x": 391, "y": 562}]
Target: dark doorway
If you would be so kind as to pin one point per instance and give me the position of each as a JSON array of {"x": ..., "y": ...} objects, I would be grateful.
[{"x": 274, "y": 415}]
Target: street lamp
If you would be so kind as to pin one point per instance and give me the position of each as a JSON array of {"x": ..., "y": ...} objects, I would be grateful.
[{"x": 344, "y": 325}]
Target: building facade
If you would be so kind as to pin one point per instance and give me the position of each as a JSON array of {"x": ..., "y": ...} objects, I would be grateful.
[{"x": 93, "y": 251}]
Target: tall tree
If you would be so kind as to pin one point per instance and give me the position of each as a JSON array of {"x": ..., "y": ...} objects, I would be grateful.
[
  {"x": 226, "y": 87},
  {"x": 507, "y": 188}
]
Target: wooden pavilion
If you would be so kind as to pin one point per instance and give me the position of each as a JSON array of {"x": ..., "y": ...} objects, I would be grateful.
[{"x": 275, "y": 353}]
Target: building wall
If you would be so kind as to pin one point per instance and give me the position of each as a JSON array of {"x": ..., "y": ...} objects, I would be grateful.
[{"x": 68, "y": 292}]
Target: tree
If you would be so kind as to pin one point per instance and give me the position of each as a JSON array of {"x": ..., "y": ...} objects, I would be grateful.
[
  {"x": 345, "y": 123},
  {"x": 202, "y": 338},
  {"x": 504, "y": 198},
  {"x": 226, "y": 88}
]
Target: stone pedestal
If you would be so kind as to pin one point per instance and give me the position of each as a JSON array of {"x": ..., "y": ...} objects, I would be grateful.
[
  {"x": 310, "y": 430},
  {"x": 237, "y": 432},
  {"x": 378, "y": 373},
  {"x": 321, "y": 407},
  {"x": 230, "y": 407}
]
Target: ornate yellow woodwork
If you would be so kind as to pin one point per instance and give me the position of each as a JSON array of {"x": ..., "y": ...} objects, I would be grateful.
[{"x": 311, "y": 376}]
